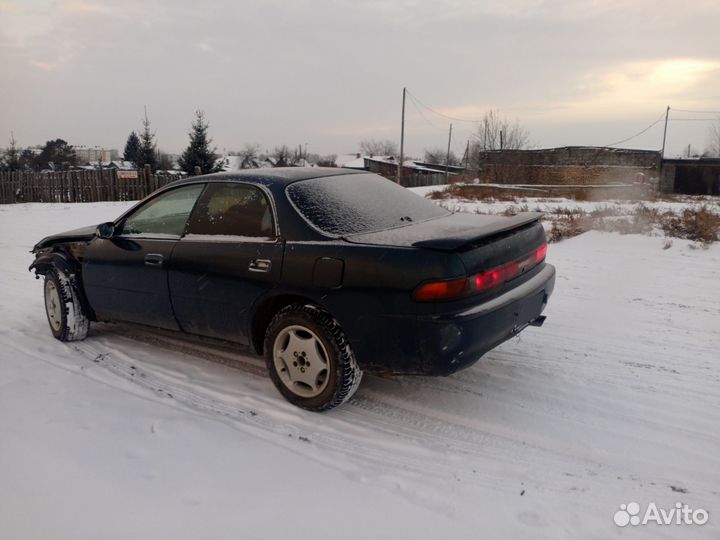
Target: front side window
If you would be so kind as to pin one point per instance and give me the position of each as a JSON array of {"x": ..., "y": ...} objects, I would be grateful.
[
  {"x": 232, "y": 210},
  {"x": 165, "y": 215}
]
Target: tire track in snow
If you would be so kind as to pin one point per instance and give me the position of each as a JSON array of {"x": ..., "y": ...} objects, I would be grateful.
[{"x": 362, "y": 428}]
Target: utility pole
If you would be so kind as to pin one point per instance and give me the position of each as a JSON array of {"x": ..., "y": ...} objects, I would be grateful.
[
  {"x": 402, "y": 140},
  {"x": 667, "y": 113},
  {"x": 501, "y": 139},
  {"x": 447, "y": 157}
]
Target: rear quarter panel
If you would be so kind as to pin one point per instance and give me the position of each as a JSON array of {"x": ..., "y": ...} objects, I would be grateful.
[{"x": 374, "y": 303}]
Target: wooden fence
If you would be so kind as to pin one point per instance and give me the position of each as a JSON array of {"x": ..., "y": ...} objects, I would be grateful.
[
  {"x": 418, "y": 180},
  {"x": 79, "y": 186},
  {"x": 113, "y": 185}
]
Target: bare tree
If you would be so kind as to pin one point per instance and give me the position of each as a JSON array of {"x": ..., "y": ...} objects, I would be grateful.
[
  {"x": 496, "y": 132},
  {"x": 713, "y": 149},
  {"x": 690, "y": 152},
  {"x": 284, "y": 156},
  {"x": 324, "y": 161},
  {"x": 249, "y": 155},
  {"x": 372, "y": 147},
  {"x": 439, "y": 156}
]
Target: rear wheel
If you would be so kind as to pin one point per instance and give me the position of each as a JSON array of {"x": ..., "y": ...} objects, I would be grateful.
[
  {"x": 65, "y": 313},
  {"x": 309, "y": 359}
]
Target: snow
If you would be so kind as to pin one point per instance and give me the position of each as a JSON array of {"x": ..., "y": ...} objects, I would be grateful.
[
  {"x": 343, "y": 159},
  {"x": 358, "y": 163},
  {"x": 141, "y": 434},
  {"x": 551, "y": 204}
]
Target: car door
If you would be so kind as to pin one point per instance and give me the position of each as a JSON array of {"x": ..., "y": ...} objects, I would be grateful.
[
  {"x": 231, "y": 255},
  {"x": 125, "y": 276}
]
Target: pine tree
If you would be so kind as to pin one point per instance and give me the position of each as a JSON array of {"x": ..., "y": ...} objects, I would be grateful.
[
  {"x": 198, "y": 152},
  {"x": 148, "y": 151},
  {"x": 132, "y": 148},
  {"x": 57, "y": 155},
  {"x": 12, "y": 155}
]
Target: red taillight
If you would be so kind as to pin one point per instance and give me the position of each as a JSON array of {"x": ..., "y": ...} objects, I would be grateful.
[
  {"x": 488, "y": 280},
  {"x": 456, "y": 288},
  {"x": 441, "y": 290},
  {"x": 540, "y": 253}
]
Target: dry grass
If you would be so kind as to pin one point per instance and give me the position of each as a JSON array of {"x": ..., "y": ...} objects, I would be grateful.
[
  {"x": 696, "y": 224},
  {"x": 474, "y": 192},
  {"x": 566, "y": 228},
  {"x": 482, "y": 192},
  {"x": 700, "y": 225}
]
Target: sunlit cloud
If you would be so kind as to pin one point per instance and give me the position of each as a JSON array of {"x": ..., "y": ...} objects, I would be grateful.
[
  {"x": 45, "y": 66},
  {"x": 636, "y": 87},
  {"x": 77, "y": 7}
]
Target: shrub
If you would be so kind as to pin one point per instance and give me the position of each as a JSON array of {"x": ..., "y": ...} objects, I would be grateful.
[{"x": 698, "y": 224}]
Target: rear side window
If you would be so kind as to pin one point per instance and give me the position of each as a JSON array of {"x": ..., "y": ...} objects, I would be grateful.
[
  {"x": 232, "y": 210},
  {"x": 165, "y": 215},
  {"x": 359, "y": 203}
]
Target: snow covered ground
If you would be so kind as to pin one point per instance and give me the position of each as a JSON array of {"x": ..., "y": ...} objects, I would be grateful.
[
  {"x": 559, "y": 204},
  {"x": 133, "y": 434}
]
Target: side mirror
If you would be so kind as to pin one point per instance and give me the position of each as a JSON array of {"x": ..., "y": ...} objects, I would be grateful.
[{"x": 105, "y": 230}]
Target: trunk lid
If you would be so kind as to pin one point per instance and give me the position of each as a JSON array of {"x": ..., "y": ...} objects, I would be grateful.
[
  {"x": 446, "y": 233},
  {"x": 481, "y": 241}
]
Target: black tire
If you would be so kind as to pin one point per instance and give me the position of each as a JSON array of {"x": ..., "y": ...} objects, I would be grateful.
[
  {"x": 342, "y": 374},
  {"x": 65, "y": 314}
]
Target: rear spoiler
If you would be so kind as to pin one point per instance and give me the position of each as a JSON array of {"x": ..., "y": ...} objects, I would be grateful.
[
  {"x": 496, "y": 225},
  {"x": 446, "y": 233}
]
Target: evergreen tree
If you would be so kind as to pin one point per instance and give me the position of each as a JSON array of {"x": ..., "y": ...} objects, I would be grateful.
[
  {"x": 198, "y": 152},
  {"x": 11, "y": 159},
  {"x": 132, "y": 148},
  {"x": 148, "y": 151},
  {"x": 56, "y": 155},
  {"x": 26, "y": 160}
]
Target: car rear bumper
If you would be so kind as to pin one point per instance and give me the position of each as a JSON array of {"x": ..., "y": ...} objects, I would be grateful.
[{"x": 450, "y": 342}]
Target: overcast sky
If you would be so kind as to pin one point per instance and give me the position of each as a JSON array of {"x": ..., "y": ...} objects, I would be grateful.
[{"x": 330, "y": 73}]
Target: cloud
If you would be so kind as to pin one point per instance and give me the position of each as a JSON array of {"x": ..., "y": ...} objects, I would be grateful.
[
  {"x": 635, "y": 87},
  {"x": 45, "y": 66},
  {"x": 80, "y": 7}
]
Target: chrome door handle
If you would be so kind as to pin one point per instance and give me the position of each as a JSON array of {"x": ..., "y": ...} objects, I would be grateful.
[
  {"x": 260, "y": 265},
  {"x": 154, "y": 259}
]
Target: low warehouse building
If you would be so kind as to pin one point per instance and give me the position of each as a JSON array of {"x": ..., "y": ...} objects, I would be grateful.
[
  {"x": 569, "y": 165},
  {"x": 699, "y": 176}
]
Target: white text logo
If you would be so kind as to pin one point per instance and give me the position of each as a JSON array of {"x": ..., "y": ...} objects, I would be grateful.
[{"x": 680, "y": 514}]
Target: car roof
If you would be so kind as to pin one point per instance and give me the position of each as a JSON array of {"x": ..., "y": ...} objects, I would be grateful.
[{"x": 277, "y": 175}]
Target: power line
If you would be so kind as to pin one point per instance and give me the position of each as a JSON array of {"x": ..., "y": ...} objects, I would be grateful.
[
  {"x": 412, "y": 100},
  {"x": 693, "y": 119},
  {"x": 639, "y": 132},
  {"x": 441, "y": 114},
  {"x": 698, "y": 112}
]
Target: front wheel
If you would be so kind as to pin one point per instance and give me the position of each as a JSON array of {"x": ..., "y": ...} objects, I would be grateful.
[
  {"x": 65, "y": 314},
  {"x": 309, "y": 359}
]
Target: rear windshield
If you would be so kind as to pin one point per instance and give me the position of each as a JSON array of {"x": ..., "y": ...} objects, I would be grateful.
[{"x": 359, "y": 203}]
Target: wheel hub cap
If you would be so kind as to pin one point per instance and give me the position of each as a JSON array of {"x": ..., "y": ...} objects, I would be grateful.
[
  {"x": 301, "y": 361},
  {"x": 52, "y": 305}
]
